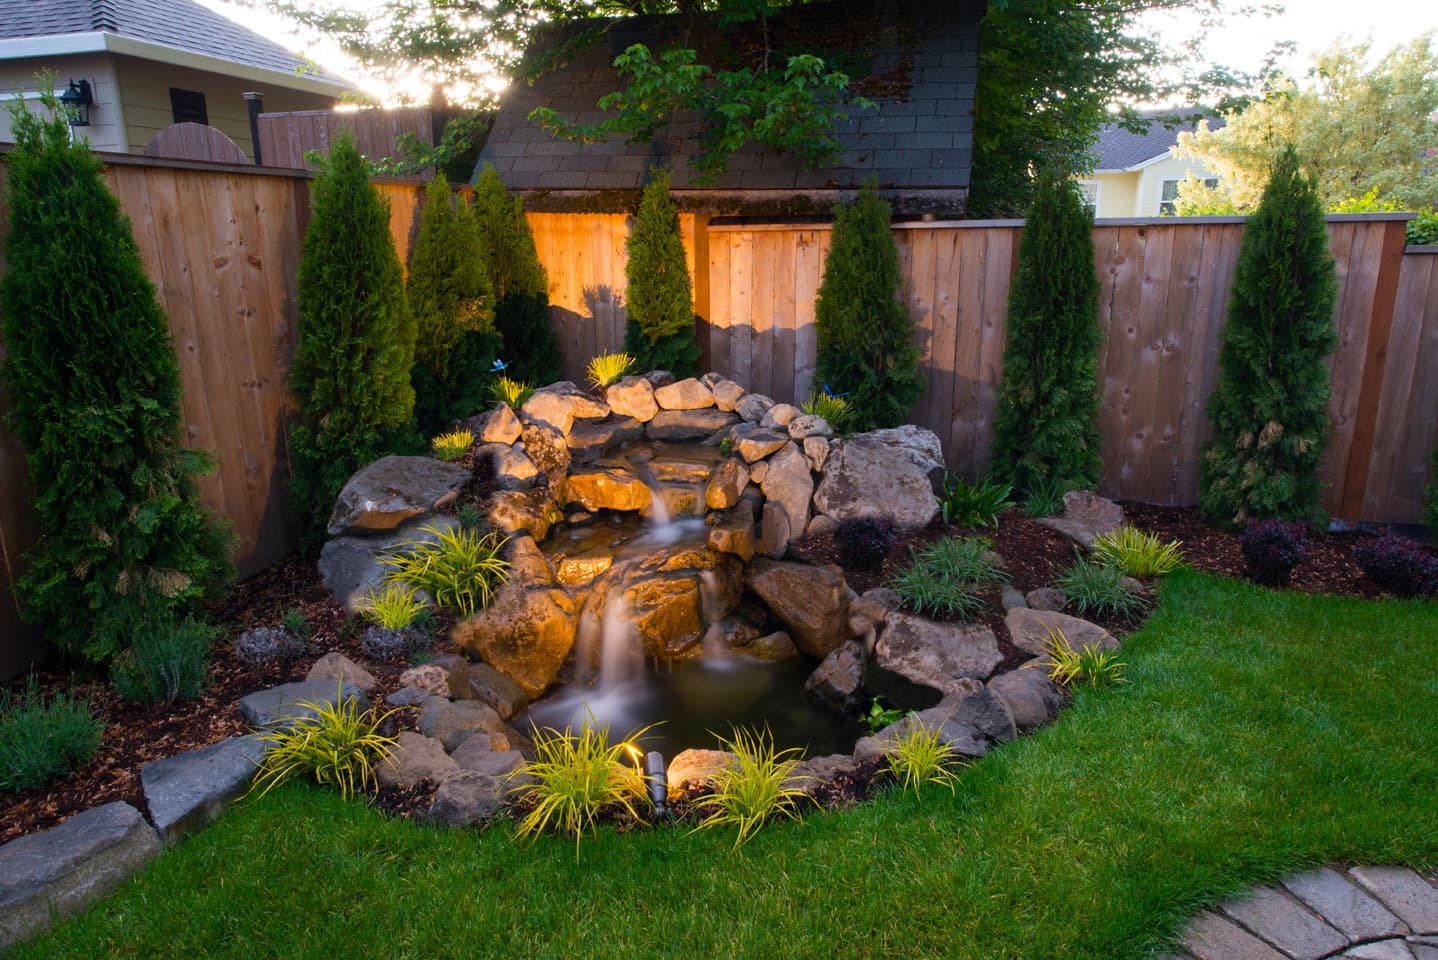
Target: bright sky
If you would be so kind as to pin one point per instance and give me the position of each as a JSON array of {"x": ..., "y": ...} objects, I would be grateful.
[{"x": 1241, "y": 43}]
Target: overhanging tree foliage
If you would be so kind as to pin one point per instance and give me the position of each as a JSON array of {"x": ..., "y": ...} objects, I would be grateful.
[
  {"x": 453, "y": 307},
  {"x": 1357, "y": 130},
  {"x": 95, "y": 399},
  {"x": 1049, "y": 69},
  {"x": 516, "y": 277},
  {"x": 866, "y": 348},
  {"x": 1270, "y": 410},
  {"x": 356, "y": 338},
  {"x": 1046, "y": 431},
  {"x": 659, "y": 332}
]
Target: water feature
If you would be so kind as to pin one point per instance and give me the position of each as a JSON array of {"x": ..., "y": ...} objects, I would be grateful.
[{"x": 688, "y": 683}]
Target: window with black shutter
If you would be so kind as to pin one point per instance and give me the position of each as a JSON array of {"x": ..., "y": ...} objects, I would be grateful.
[{"x": 188, "y": 106}]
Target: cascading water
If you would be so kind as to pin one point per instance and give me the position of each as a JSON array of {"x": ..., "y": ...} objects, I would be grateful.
[{"x": 687, "y": 693}]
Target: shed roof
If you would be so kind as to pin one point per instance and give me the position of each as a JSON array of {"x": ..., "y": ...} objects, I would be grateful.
[
  {"x": 917, "y": 60},
  {"x": 176, "y": 24}
]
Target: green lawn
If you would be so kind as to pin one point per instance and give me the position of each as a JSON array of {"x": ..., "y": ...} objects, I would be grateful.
[{"x": 1260, "y": 733}]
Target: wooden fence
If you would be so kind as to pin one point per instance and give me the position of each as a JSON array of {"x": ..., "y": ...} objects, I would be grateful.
[
  {"x": 285, "y": 138},
  {"x": 222, "y": 244}
]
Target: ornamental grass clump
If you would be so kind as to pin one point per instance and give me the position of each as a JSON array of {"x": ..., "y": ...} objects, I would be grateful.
[
  {"x": 608, "y": 368},
  {"x": 460, "y": 567},
  {"x": 452, "y": 445},
  {"x": 1096, "y": 590},
  {"x": 167, "y": 662},
  {"x": 43, "y": 739},
  {"x": 576, "y": 778},
  {"x": 94, "y": 398},
  {"x": 335, "y": 744},
  {"x": 755, "y": 786},
  {"x": 399, "y": 622},
  {"x": 660, "y": 329},
  {"x": 1137, "y": 553},
  {"x": 512, "y": 392},
  {"x": 837, "y": 412},
  {"x": 944, "y": 579},
  {"x": 965, "y": 504},
  {"x": 919, "y": 756},
  {"x": 1269, "y": 412},
  {"x": 1090, "y": 666},
  {"x": 866, "y": 339}
]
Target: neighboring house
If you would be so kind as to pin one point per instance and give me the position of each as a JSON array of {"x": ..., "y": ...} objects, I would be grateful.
[
  {"x": 151, "y": 63},
  {"x": 1137, "y": 174},
  {"x": 917, "y": 60}
]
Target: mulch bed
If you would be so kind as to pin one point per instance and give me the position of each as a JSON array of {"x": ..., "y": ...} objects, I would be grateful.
[{"x": 1033, "y": 556}]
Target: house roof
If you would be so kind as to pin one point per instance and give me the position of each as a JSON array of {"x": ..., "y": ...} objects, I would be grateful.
[
  {"x": 917, "y": 60},
  {"x": 153, "y": 29},
  {"x": 1119, "y": 150}
]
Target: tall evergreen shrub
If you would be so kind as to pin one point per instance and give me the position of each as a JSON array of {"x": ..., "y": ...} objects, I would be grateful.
[
  {"x": 1270, "y": 410},
  {"x": 1046, "y": 429},
  {"x": 95, "y": 399},
  {"x": 659, "y": 334},
  {"x": 866, "y": 347},
  {"x": 521, "y": 290},
  {"x": 356, "y": 337},
  {"x": 453, "y": 307}
]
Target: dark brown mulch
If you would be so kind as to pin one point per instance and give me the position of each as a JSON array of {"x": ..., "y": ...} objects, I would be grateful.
[{"x": 1033, "y": 556}]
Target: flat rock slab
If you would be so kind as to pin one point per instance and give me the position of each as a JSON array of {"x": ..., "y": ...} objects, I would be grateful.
[
  {"x": 1412, "y": 898},
  {"x": 1383, "y": 950},
  {"x": 1086, "y": 517},
  {"x": 1285, "y": 923},
  {"x": 187, "y": 791},
  {"x": 1211, "y": 937},
  {"x": 1339, "y": 901},
  {"x": 58, "y": 872},
  {"x": 937, "y": 655},
  {"x": 288, "y": 702},
  {"x": 335, "y": 666},
  {"x": 676, "y": 425},
  {"x": 392, "y": 490}
]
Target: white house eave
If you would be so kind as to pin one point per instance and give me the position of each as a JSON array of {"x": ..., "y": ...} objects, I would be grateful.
[{"x": 104, "y": 42}]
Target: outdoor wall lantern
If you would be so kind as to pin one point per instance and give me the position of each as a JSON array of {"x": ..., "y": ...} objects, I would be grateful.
[{"x": 78, "y": 100}]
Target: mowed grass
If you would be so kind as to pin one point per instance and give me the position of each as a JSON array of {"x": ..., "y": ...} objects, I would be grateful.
[{"x": 1260, "y": 733}]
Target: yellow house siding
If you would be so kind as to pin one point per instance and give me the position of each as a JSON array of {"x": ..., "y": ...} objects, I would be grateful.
[
  {"x": 1150, "y": 184},
  {"x": 107, "y": 129},
  {"x": 1116, "y": 194},
  {"x": 145, "y": 89}
]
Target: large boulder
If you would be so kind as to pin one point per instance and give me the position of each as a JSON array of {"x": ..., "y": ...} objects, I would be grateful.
[
  {"x": 392, "y": 490},
  {"x": 414, "y": 759},
  {"x": 680, "y": 425},
  {"x": 453, "y": 722},
  {"x": 839, "y": 680},
  {"x": 693, "y": 768},
  {"x": 513, "y": 470},
  {"x": 727, "y": 393},
  {"x": 775, "y": 531},
  {"x": 688, "y": 394},
  {"x": 525, "y": 634},
  {"x": 732, "y": 531},
  {"x": 1086, "y": 517},
  {"x": 599, "y": 487},
  {"x": 515, "y": 511},
  {"x": 1030, "y": 695},
  {"x": 811, "y": 601},
  {"x": 549, "y": 451},
  {"x": 669, "y": 609},
  {"x": 789, "y": 484},
  {"x": 335, "y": 666},
  {"x": 56, "y": 873},
  {"x": 752, "y": 406},
  {"x": 284, "y": 705},
  {"x": 467, "y": 798},
  {"x": 754, "y": 443},
  {"x": 633, "y": 397},
  {"x": 595, "y": 438},
  {"x": 488, "y": 685},
  {"x": 918, "y": 659},
  {"x": 886, "y": 473},
  {"x": 726, "y": 484},
  {"x": 351, "y": 567},
  {"x": 1030, "y": 630},
  {"x": 560, "y": 403},
  {"x": 499, "y": 425}
]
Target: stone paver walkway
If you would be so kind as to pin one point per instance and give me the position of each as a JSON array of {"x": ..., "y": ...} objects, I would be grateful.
[{"x": 1373, "y": 913}]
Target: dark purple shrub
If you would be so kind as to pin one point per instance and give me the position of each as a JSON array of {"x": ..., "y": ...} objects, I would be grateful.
[
  {"x": 1399, "y": 565},
  {"x": 864, "y": 542},
  {"x": 1272, "y": 548}
]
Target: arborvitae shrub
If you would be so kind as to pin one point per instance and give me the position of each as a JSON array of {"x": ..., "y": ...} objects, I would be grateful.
[
  {"x": 94, "y": 392},
  {"x": 516, "y": 277},
  {"x": 1270, "y": 409},
  {"x": 659, "y": 334},
  {"x": 1046, "y": 434},
  {"x": 866, "y": 348},
  {"x": 449, "y": 295},
  {"x": 356, "y": 338}
]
